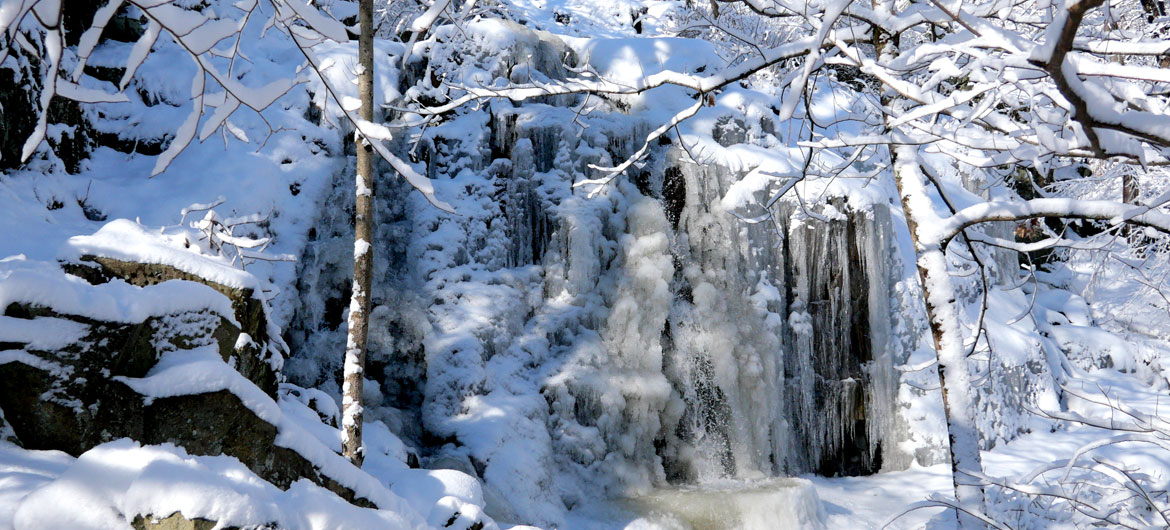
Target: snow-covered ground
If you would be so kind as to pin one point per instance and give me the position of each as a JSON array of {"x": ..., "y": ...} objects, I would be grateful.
[{"x": 122, "y": 477}]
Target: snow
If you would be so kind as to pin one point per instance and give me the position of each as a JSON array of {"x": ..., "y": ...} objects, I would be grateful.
[
  {"x": 197, "y": 371},
  {"x": 41, "y": 333},
  {"x": 866, "y": 502},
  {"x": 360, "y": 248},
  {"x": 221, "y": 489},
  {"x": 1114, "y": 212},
  {"x": 21, "y": 356},
  {"x": 111, "y": 484},
  {"x": 139, "y": 52},
  {"x": 43, "y": 284},
  {"x": 125, "y": 240}
]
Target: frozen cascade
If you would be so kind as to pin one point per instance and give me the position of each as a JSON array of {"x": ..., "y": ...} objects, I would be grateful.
[
  {"x": 640, "y": 338},
  {"x": 787, "y": 337},
  {"x": 567, "y": 348}
]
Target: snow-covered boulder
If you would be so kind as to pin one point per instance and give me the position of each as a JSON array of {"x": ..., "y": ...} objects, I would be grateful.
[
  {"x": 138, "y": 334},
  {"x": 64, "y": 343},
  {"x": 127, "y": 251}
]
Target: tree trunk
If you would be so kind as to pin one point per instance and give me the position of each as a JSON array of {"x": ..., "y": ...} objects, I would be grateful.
[
  {"x": 359, "y": 305},
  {"x": 1130, "y": 192},
  {"x": 953, "y": 372},
  {"x": 1129, "y": 188}
]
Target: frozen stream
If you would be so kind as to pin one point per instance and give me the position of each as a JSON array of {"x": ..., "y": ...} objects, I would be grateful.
[{"x": 769, "y": 504}]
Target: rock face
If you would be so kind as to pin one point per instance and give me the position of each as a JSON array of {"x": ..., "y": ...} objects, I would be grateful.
[
  {"x": 70, "y": 392},
  {"x": 6, "y": 432},
  {"x": 175, "y": 521},
  {"x": 249, "y": 312}
]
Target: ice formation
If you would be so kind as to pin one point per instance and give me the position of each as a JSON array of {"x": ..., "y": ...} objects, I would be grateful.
[
  {"x": 573, "y": 347},
  {"x": 763, "y": 505}
]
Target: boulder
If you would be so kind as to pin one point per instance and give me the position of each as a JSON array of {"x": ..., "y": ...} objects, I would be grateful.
[
  {"x": 79, "y": 351},
  {"x": 252, "y": 360}
]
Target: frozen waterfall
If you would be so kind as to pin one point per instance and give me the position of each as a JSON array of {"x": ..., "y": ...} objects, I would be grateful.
[{"x": 608, "y": 346}]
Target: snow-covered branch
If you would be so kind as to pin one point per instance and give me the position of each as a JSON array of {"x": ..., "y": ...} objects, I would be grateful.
[
  {"x": 1112, "y": 211},
  {"x": 212, "y": 39},
  {"x": 702, "y": 85}
]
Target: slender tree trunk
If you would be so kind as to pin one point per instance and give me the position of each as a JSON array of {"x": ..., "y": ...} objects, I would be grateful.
[
  {"x": 1130, "y": 192},
  {"x": 359, "y": 305},
  {"x": 953, "y": 372},
  {"x": 1129, "y": 188}
]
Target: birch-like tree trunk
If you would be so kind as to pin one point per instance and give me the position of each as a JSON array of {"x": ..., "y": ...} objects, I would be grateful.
[
  {"x": 359, "y": 304},
  {"x": 953, "y": 372}
]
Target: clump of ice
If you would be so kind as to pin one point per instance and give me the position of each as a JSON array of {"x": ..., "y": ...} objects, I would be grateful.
[{"x": 762, "y": 505}]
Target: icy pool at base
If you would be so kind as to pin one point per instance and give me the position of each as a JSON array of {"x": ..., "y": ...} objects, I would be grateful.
[{"x": 772, "y": 504}]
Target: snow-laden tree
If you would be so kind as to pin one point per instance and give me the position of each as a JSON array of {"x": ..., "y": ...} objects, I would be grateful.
[{"x": 354, "y": 376}]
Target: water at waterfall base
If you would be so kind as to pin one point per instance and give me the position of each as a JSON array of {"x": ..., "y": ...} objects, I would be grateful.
[{"x": 765, "y": 504}]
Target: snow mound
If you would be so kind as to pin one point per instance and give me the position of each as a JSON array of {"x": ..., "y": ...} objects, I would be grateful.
[
  {"x": 44, "y": 284},
  {"x": 125, "y": 240},
  {"x": 111, "y": 484}
]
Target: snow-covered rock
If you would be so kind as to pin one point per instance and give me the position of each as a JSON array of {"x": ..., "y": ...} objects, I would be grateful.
[{"x": 167, "y": 346}]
